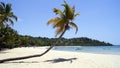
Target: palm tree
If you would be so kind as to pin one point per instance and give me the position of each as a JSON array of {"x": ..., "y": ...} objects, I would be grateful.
[
  {"x": 6, "y": 14},
  {"x": 62, "y": 23}
]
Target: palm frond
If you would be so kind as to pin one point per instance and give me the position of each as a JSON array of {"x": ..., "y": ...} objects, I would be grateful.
[
  {"x": 8, "y": 8},
  {"x": 2, "y": 4},
  {"x": 60, "y": 23},
  {"x": 77, "y": 14},
  {"x": 11, "y": 21},
  {"x": 69, "y": 12},
  {"x": 53, "y": 20},
  {"x": 13, "y": 16},
  {"x": 74, "y": 25},
  {"x": 59, "y": 31},
  {"x": 58, "y": 11}
]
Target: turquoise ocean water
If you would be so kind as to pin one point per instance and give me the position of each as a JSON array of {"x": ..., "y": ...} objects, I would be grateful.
[{"x": 115, "y": 50}]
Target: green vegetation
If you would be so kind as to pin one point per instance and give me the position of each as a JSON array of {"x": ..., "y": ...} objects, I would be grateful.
[
  {"x": 82, "y": 41},
  {"x": 11, "y": 39},
  {"x": 8, "y": 37}
]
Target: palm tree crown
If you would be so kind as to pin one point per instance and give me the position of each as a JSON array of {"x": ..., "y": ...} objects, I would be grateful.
[
  {"x": 6, "y": 14},
  {"x": 65, "y": 19}
]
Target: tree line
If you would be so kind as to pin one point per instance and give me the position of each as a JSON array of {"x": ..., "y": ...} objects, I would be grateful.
[
  {"x": 9, "y": 38},
  {"x": 44, "y": 41}
]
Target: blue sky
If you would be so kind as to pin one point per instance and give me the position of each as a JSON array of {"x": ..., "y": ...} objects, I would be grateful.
[{"x": 99, "y": 19}]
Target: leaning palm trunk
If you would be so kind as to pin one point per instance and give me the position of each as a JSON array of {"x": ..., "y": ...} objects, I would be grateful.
[{"x": 36, "y": 55}]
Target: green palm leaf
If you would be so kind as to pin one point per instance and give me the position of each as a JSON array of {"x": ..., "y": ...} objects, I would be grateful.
[
  {"x": 74, "y": 25},
  {"x": 69, "y": 12}
]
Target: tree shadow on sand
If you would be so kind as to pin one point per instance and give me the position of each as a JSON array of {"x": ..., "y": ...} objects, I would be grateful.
[
  {"x": 58, "y": 60},
  {"x": 22, "y": 62}
]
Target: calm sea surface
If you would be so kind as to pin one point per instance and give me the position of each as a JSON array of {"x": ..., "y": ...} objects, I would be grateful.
[{"x": 115, "y": 50}]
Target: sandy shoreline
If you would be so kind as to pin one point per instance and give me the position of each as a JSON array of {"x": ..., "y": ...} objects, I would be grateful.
[{"x": 58, "y": 59}]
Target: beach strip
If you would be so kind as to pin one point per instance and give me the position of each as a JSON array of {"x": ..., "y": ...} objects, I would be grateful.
[{"x": 58, "y": 59}]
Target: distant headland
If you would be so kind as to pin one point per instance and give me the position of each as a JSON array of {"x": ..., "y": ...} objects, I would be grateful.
[{"x": 44, "y": 41}]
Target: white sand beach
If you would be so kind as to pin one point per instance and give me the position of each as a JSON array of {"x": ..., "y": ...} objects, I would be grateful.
[{"x": 58, "y": 59}]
